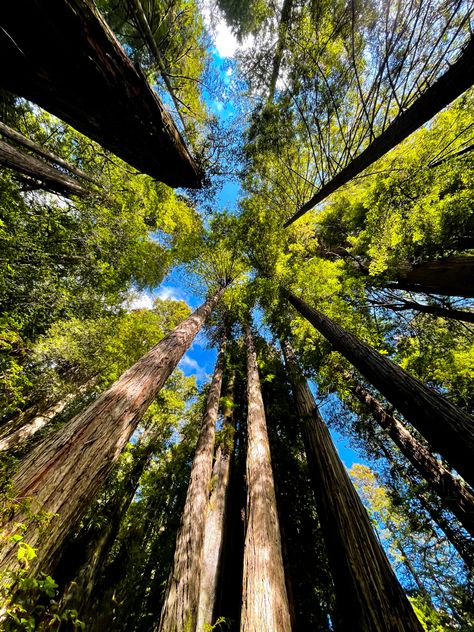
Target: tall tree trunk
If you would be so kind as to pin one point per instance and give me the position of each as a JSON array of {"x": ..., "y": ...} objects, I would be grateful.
[
  {"x": 264, "y": 599},
  {"x": 44, "y": 175},
  {"x": 106, "y": 97},
  {"x": 369, "y": 597},
  {"x": 180, "y": 607},
  {"x": 436, "y": 310},
  {"x": 447, "y": 429},
  {"x": 14, "y": 135},
  {"x": 63, "y": 474},
  {"x": 144, "y": 28},
  {"x": 456, "y": 496},
  {"x": 453, "y": 276},
  {"x": 79, "y": 591},
  {"x": 463, "y": 544},
  {"x": 456, "y": 80},
  {"x": 216, "y": 516},
  {"x": 16, "y": 432}
]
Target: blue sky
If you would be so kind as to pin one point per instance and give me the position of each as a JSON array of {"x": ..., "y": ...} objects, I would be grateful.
[{"x": 199, "y": 360}]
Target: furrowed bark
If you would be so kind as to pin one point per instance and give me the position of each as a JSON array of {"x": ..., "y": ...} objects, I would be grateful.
[
  {"x": 12, "y": 134},
  {"x": 456, "y": 80},
  {"x": 456, "y": 497},
  {"x": 79, "y": 592},
  {"x": 434, "y": 310},
  {"x": 14, "y": 434},
  {"x": 62, "y": 475},
  {"x": 145, "y": 29},
  {"x": 180, "y": 607},
  {"x": 62, "y": 55},
  {"x": 215, "y": 521},
  {"x": 264, "y": 598},
  {"x": 453, "y": 276},
  {"x": 447, "y": 429},
  {"x": 368, "y": 594},
  {"x": 44, "y": 175},
  {"x": 463, "y": 544}
]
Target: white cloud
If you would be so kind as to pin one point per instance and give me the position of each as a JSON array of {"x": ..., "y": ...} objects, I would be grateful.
[
  {"x": 141, "y": 300},
  {"x": 190, "y": 366},
  {"x": 168, "y": 292}
]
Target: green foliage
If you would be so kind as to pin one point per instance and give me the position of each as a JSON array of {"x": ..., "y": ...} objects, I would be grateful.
[{"x": 30, "y": 603}]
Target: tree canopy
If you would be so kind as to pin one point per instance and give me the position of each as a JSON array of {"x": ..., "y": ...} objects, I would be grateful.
[{"x": 321, "y": 477}]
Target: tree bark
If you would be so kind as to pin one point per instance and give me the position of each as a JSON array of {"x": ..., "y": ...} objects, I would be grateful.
[
  {"x": 215, "y": 519},
  {"x": 368, "y": 595},
  {"x": 180, "y": 607},
  {"x": 463, "y": 544},
  {"x": 456, "y": 496},
  {"x": 453, "y": 276},
  {"x": 456, "y": 80},
  {"x": 435, "y": 310},
  {"x": 78, "y": 593},
  {"x": 264, "y": 598},
  {"x": 63, "y": 474},
  {"x": 144, "y": 28},
  {"x": 447, "y": 429},
  {"x": 15, "y": 433},
  {"x": 46, "y": 176},
  {"x": 12, "y": 134},
  {"x": 62, "y": 55}
]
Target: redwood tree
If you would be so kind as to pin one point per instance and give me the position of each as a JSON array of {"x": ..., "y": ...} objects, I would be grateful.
[
  {"x": 62, "y": 475},
  {"x": 447, "y": 429},
  {"x": 264, "y": 598},
  {"x": 368, "y": 595},
  {"x": 180, "y": 607},
  {"x": 216, "y": 515},
  {"x": 456, "y": 496}
]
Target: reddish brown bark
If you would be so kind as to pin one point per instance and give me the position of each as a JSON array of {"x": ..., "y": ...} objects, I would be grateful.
[
  {"x": 12, "y": 134},
  {"x": 456, "y": 496},
  {"x": 369, "y": 597},
  {"x": 453, "y": 276},
  {"x": 447, "y": 429},
  {"x": 215, "y": 519},
  {"x": 264, "y": 598},
  {"x": 62, "y": 55},
  {"x": 17, "y": 432},
  {"x": 63, "y": 474},
  {"x": 42, "y": 174},
  {"x": 180, "y": 607},
  {"x": 456, "y": 80}
]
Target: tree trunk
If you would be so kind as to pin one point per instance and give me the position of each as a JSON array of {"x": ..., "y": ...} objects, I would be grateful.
[
  {"x": 62, "y": 55},
  {"x": 368, "y": 595},
  {"x": 44, "y": 175},
  {"x": 12, "y": 134},
  {"x": 63, "y": 474},
  {"x": 215, "y": 519},
  {"x": 78, "y": 593},
  {"x": 180, "y": 607},
  {"x": 453, "y": 276},
  {"x": 447, "y": 429},
  {"x": 145, "y": 30},
  {"x": 435, "y": 310},
  {"x": 463, "y": 544},
  {"x": 456, "y": 496},
  {"x": 264, "y": 599},
  {"x": 17, "y": 432},
  {"x": 456, "y": 80}
]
